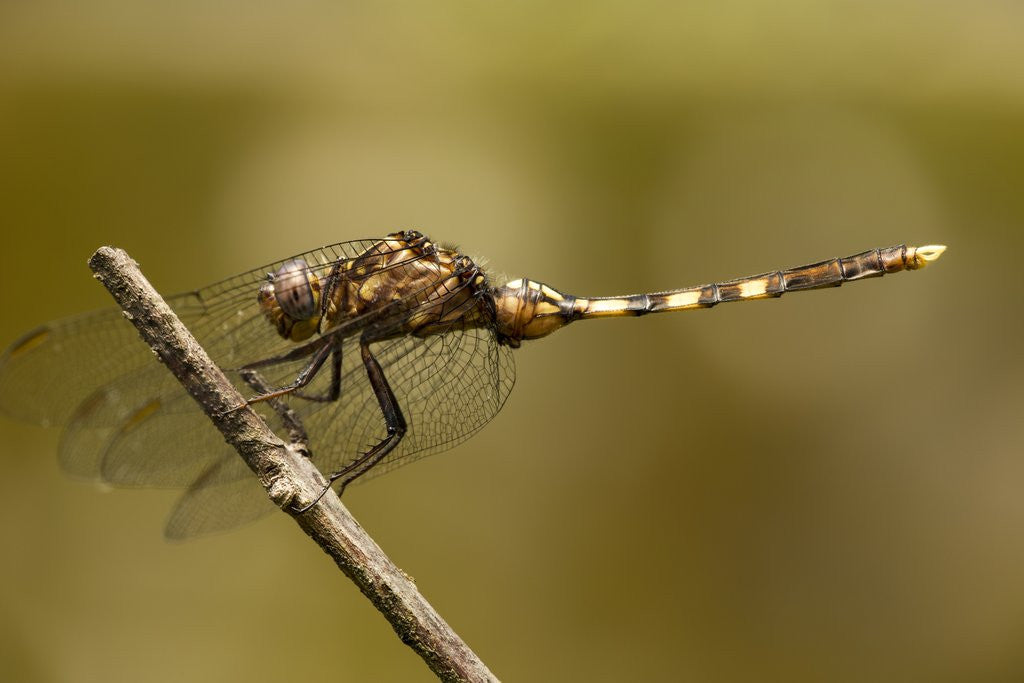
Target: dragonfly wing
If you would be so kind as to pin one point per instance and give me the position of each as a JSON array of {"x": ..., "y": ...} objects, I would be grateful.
[
  {"x": 447, "y": 386},
  {"x": 140, "y": 429},
  {"x": 226, "y": 496},
  {"x": 50, "y": 371}
]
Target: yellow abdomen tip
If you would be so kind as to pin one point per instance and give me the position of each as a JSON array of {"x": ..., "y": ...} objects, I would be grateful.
[{"x": 928, "y": 253}]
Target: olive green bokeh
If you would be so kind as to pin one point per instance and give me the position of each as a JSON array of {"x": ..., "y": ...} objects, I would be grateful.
[{"x": 824, "y": 487}]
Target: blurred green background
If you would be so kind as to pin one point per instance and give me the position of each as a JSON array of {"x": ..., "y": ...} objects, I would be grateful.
[{"x": 821, "y": 488}]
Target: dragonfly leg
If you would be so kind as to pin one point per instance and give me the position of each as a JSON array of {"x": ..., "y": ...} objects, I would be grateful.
[
  {"x": 393, "y": 420},
  {"x": 307, "y": 349},
  {"x": 333, "y": 392},
  {"x": 296, "y": 430},
  {"x": 304, "y": 377}
]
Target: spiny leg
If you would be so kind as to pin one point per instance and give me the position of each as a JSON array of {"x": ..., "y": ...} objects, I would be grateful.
[
  {"x": 333, "y": 392},
  {"x": 296, "y": 430},
  {"x": 319, "y": 350},
  {"x": 394, "y": 421},
  {"x": 298, "y": 352},
  {"x": 304, "y": 377}
]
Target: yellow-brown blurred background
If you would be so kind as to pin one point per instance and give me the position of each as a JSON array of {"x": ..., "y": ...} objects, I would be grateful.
[{"x": 821, "y": 488}]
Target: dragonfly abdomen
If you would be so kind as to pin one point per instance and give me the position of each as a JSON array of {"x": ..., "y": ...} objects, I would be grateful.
[
  {"x": 831, "y": 273},
  {"x": 528, "y": 309}
]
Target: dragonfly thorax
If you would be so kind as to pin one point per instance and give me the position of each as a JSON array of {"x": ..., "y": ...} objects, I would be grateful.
[{"x": 402, "y": 284}]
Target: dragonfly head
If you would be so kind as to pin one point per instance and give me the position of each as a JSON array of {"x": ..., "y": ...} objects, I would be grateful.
[
  {"x": 290, "y": 300},
  {"x": 525, "y": 309}
]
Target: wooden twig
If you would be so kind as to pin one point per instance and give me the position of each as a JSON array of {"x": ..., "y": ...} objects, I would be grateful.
[{"x": 291, "y": 480}]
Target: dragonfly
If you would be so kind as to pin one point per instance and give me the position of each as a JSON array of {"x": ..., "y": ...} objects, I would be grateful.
[{"x": 370, "y": 353}]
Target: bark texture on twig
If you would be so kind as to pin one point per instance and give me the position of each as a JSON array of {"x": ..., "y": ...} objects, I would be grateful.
[{"x": 291, "y": 480}]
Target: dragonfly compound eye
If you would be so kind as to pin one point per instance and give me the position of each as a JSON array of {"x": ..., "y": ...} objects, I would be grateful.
[
  {"x": 290, "y": 300},
  {"x": 297, "y": 290}
]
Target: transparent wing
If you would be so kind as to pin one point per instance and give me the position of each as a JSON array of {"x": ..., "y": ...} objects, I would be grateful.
[
  {"x": 227, "y": 495},
  {"x": 448, "y": 387}
]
